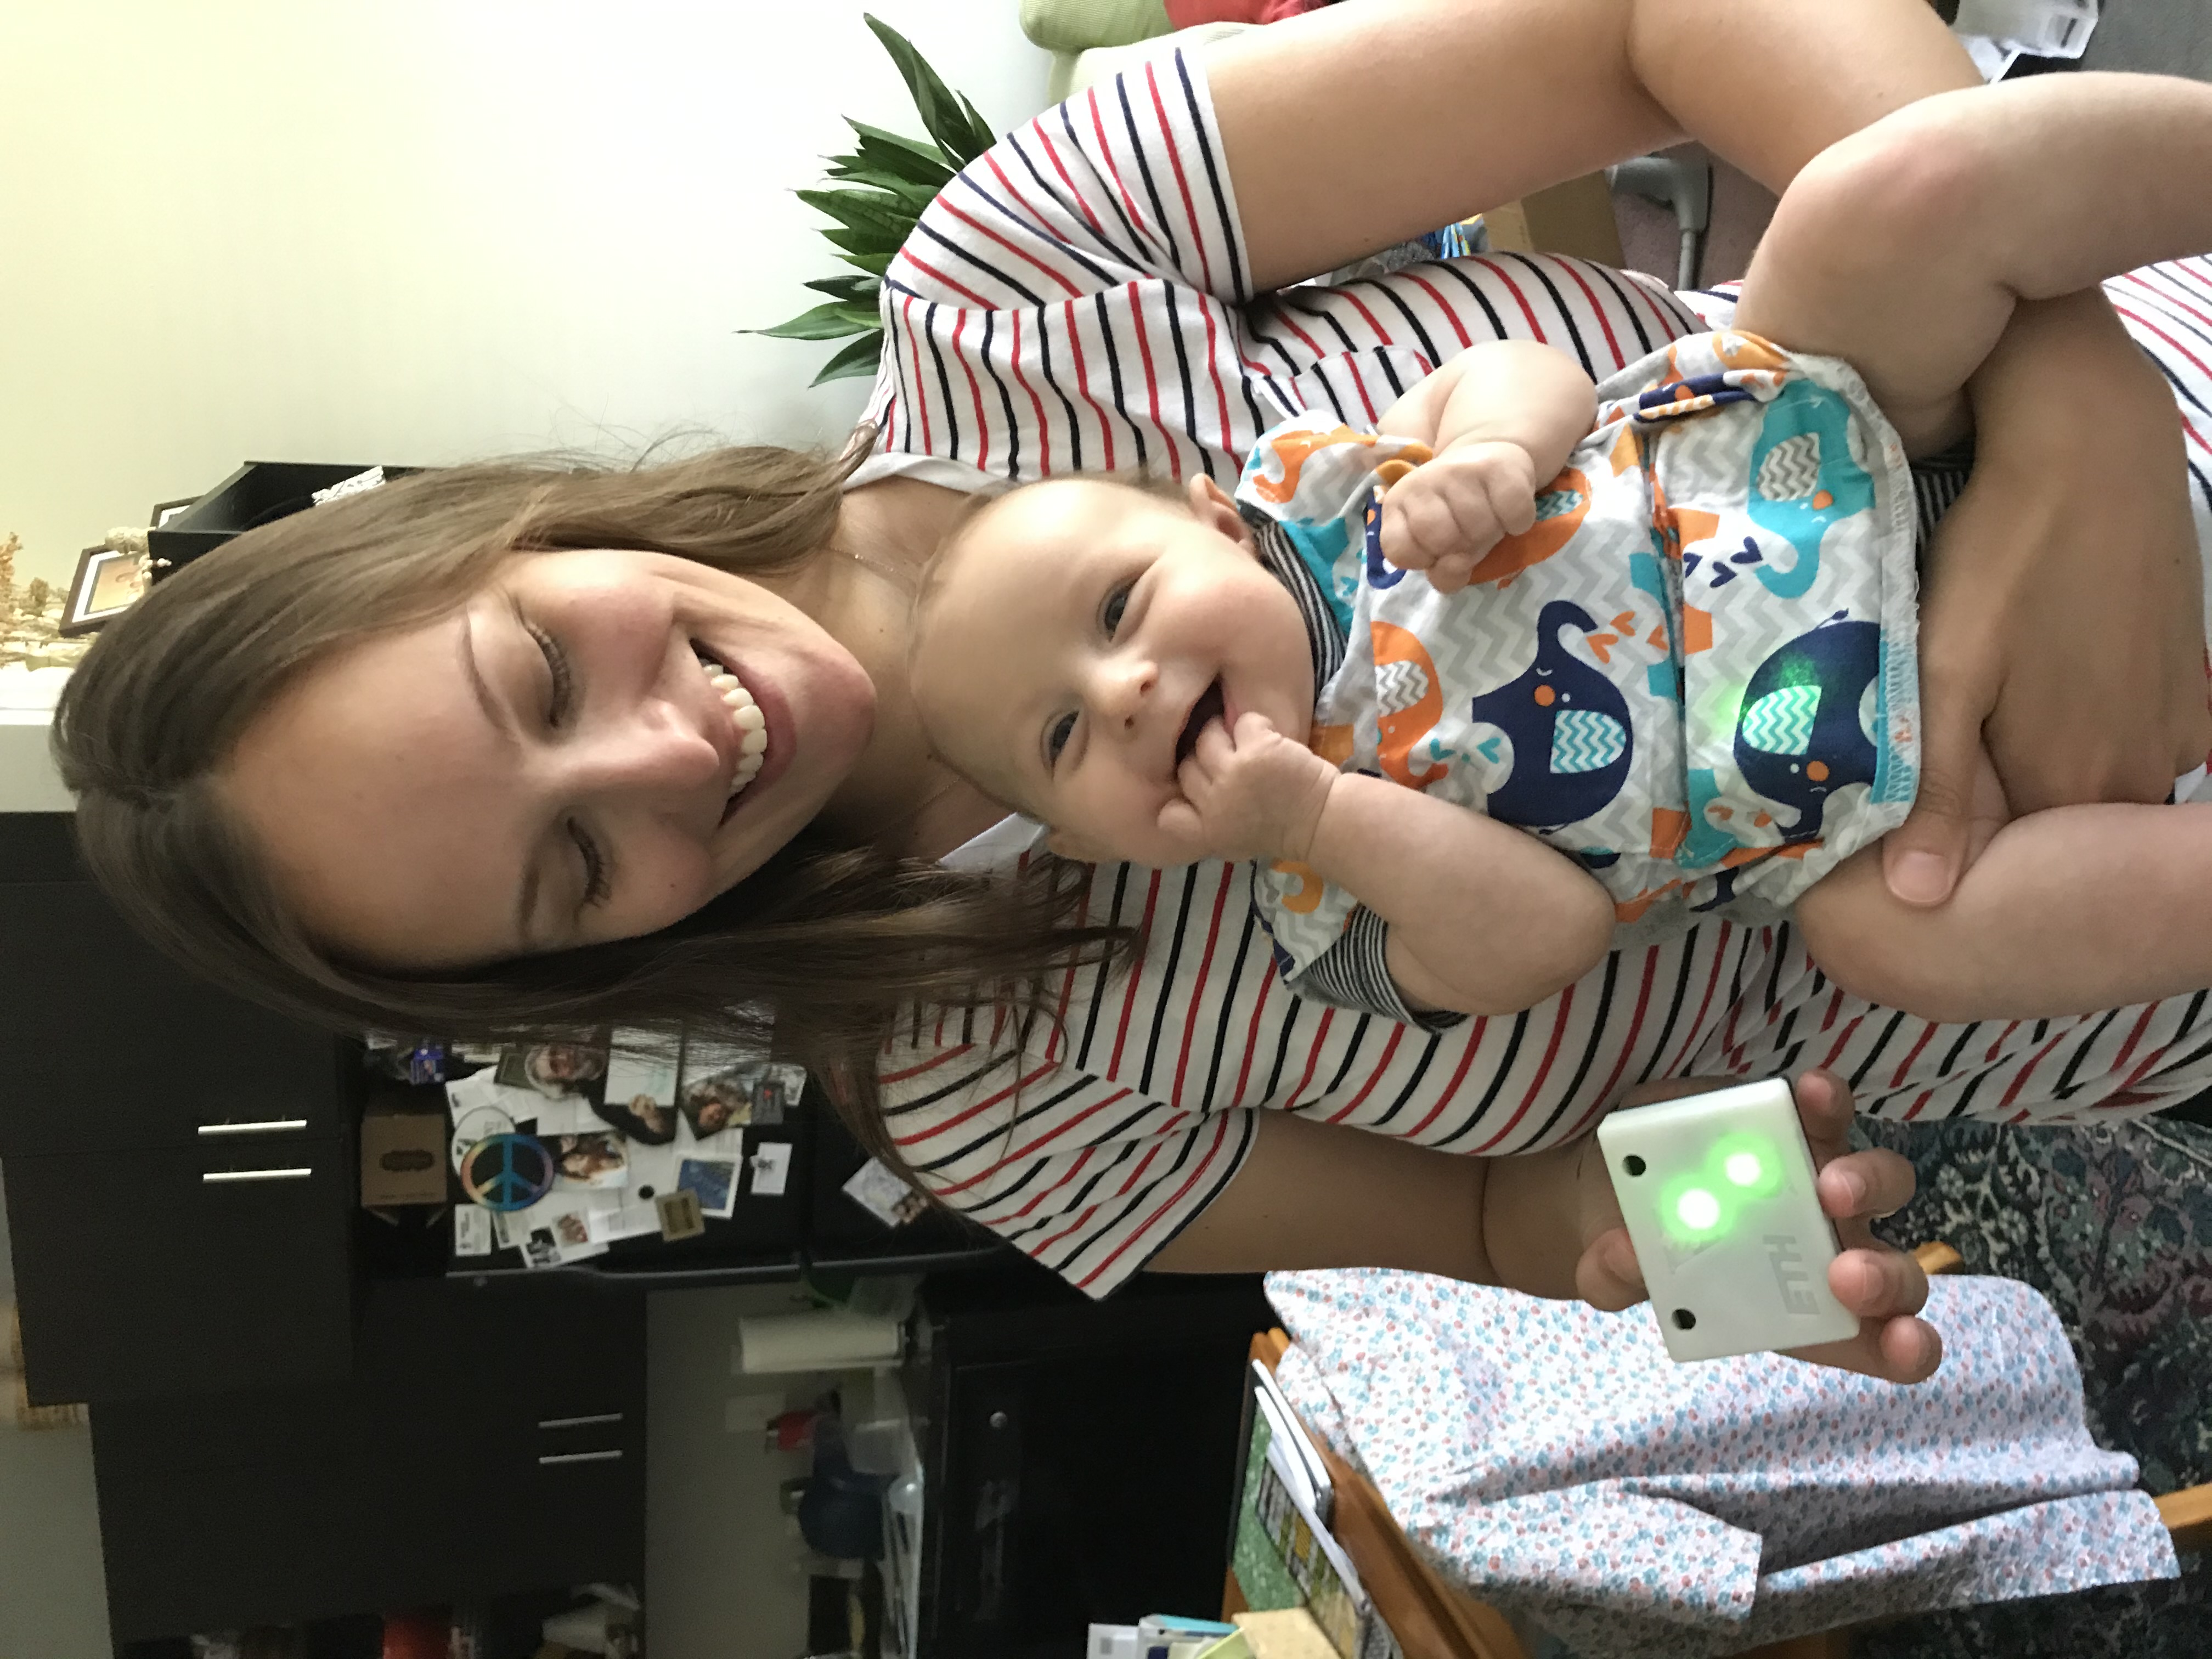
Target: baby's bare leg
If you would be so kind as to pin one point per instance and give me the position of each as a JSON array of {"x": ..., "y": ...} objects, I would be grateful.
[
  {"x": 2065, "y": 912},
  {"x": 1904, "y": 248}
]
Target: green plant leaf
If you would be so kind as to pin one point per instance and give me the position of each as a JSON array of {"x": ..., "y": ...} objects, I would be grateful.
[
  {"x": 857, "y": 359},
  {"x": 830, "y": 322},
  {"x": 910, "y": 197},
  {"x": 941, "y": 110},
  {"x": 911, "y": 158},
  {"x": 855, "y": 290},
  {"x": 874, "y": 263},
  {"x": 869, "y": 212},
  {"x": 977, "y": 126},
  {"x": 861, "y": 241}
]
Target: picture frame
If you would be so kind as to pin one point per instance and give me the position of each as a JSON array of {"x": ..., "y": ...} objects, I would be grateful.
[
  {"x": 107, "y": 583},
  {"x": 165, "y": 511}
]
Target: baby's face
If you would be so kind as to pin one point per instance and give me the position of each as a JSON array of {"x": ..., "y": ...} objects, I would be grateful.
[{"x": 1082, "y": 635}]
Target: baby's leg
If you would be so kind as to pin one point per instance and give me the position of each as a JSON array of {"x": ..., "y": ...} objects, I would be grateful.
[
  {"x": 1904, "y": 248},
  {"x": 2065, "y": 912}
]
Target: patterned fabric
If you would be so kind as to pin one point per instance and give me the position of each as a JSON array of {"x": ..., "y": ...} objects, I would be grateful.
[
  {"x": 2112, "y": 1223},
  {"x": 1552, "y": 1459},
  {"x": 1079, "y": 297},
  {"x": 1695, "y": 674}
]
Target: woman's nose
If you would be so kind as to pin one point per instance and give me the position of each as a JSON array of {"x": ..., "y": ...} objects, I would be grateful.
[{"x": 659, "y": 753}]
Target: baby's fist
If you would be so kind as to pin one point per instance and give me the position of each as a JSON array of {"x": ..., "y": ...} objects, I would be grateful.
[
  {"x": 1250, "y": 793},
  {"x": 1442, "y": 517}
]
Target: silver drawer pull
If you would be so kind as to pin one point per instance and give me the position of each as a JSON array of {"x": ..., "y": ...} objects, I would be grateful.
[
  {"x": 273, "y": 1125},
  {"x": 578, "y": 1422},
  {"x": 214, "y": 1176},
  {"x": 579, "y": 1457}
]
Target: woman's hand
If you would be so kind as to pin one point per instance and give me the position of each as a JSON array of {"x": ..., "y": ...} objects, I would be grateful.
[
  {"x": 2062, "y": 617},
  {"x": 1883, "y": 1286}
]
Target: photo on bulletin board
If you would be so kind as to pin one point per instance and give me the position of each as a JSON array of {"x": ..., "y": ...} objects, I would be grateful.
[
  {"x": 591, "y": 1160},
  {"x": 721, "y": 1100},
  {"x": 734, "y": 1095},
  {"x": 640, "y": 1093},
  {"x": 107, "y": 583},
  {"x": 559, "y": 1071}
]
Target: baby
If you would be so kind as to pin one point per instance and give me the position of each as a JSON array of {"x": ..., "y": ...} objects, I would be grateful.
[{"x": 1659, "y": 664}]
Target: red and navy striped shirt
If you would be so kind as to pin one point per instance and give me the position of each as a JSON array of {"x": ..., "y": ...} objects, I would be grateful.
[{"x": 1079, "y": 298}]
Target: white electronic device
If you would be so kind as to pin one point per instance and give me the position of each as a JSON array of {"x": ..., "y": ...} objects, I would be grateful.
[{"x": 1717, "y": 1192}]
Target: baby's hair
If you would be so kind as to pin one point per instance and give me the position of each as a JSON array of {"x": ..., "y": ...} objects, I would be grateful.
[{"x": 980, "y": 505}]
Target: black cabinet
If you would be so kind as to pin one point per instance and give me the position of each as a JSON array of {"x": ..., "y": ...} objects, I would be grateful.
[
  {"x": 178, "y": 1161},
  {"x": 1079, "y": 1457},
  {"x": 489, "y": 1442},
  {"x": 137, "y": 1275}
]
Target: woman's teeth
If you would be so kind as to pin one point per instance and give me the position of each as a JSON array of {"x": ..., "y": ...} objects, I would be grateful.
[{"x": 745, "y": 715}]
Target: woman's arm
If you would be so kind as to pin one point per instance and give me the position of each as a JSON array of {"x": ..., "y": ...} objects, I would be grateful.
[
  {"x": 1353, "y": 127},
  {"x": 1314, "y": 1196}
]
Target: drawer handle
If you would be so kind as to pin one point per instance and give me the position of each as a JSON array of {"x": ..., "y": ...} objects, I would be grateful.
[
  {"x": 578, "y": 1422},
  {"x": 212, "y": 1178},
  {"x": 552, "y": 1458},
  {"x": 273, "y": 1125}
]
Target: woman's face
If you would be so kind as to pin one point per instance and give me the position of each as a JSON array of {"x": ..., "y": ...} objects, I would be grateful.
[{"x": 549, "y": 765}]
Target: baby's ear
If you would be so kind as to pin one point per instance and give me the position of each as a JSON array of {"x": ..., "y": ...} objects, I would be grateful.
[
  {"x": 1065, "y": 843},
  {"x": 1214, "y": 507}
]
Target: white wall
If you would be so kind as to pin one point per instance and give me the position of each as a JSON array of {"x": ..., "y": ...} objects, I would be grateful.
[{"x": 420, "y": 231}]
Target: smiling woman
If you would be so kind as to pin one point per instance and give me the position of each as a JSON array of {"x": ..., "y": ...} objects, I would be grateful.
[{"x": 531, "y": 717}]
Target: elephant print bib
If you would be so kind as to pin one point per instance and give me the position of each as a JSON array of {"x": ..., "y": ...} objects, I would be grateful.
[{"x": 1695, "y": 675}]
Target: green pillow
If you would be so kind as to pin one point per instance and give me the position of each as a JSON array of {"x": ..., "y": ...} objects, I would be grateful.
[{"x": 1072, "y": 26}]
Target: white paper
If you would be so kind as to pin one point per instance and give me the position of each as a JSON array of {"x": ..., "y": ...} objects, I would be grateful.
[
  {"x": 566, "y": 1115},
  {"x": 652, "y": 1170},
  {"x": 884, "y": 1195},
  {"x": 631, "y": 1074},
  {"x": 473, "y": 1229},
  {"x": 771, "y": 1162},
  {"x": 631, "y": 1221}
]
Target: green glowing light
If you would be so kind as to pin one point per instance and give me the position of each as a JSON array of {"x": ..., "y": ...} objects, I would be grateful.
[
  {"x": 1744, "y": 1169},
  {"x": 1698, "y": 1210}
]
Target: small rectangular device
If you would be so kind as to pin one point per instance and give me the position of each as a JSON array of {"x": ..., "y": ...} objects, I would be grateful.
[{"x": 1717, "y": 1192}]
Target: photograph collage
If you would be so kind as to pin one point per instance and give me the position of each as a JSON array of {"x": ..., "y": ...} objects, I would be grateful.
[{"x": 563, "y": 1149}]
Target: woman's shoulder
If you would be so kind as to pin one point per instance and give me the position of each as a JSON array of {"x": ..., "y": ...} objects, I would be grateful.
[{"x": 1122, "y": 182}]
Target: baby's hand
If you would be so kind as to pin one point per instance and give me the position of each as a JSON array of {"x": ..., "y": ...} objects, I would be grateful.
[
  {"x": 1442, "y": 517},
  {"x": 1250, "y": 794}
]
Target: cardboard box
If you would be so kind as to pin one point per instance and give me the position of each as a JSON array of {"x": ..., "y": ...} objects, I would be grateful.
[{"x": 402, "y": 1159}]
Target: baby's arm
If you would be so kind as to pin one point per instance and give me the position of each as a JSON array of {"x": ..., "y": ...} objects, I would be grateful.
[
  {"x": 1502, "y": 418},
  {"x": 1484, "y": 918}
]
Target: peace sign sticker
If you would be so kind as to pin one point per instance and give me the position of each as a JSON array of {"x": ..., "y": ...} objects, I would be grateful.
[{"x": 507, "y": 1172}]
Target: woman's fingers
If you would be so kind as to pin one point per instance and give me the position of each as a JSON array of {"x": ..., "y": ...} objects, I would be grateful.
[
  {"x": 1606, "y": 1277},
  {"x": 1923, "y": 857},
  {"x": 1886, "y": 1289}
]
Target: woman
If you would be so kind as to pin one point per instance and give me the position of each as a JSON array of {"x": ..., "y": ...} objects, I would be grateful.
[{"x": 378, "y": 767}]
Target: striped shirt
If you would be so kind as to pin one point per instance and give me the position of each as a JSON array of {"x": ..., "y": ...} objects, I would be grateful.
[{"x": 1079, "y": 298}]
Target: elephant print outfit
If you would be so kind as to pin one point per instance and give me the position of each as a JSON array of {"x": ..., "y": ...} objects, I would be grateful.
[{"x": 1696, "y": 674}]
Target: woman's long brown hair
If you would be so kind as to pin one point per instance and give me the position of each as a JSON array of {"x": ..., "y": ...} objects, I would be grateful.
[{"x": 815, "y": 954}]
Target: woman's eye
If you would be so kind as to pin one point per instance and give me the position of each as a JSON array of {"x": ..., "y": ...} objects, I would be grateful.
[
  {"x": 1116, "y": 603},
  {"x": 556, "y": 666},
  {"x": 595, "y": 866},
  {"x": 1055, "y": 738}
]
